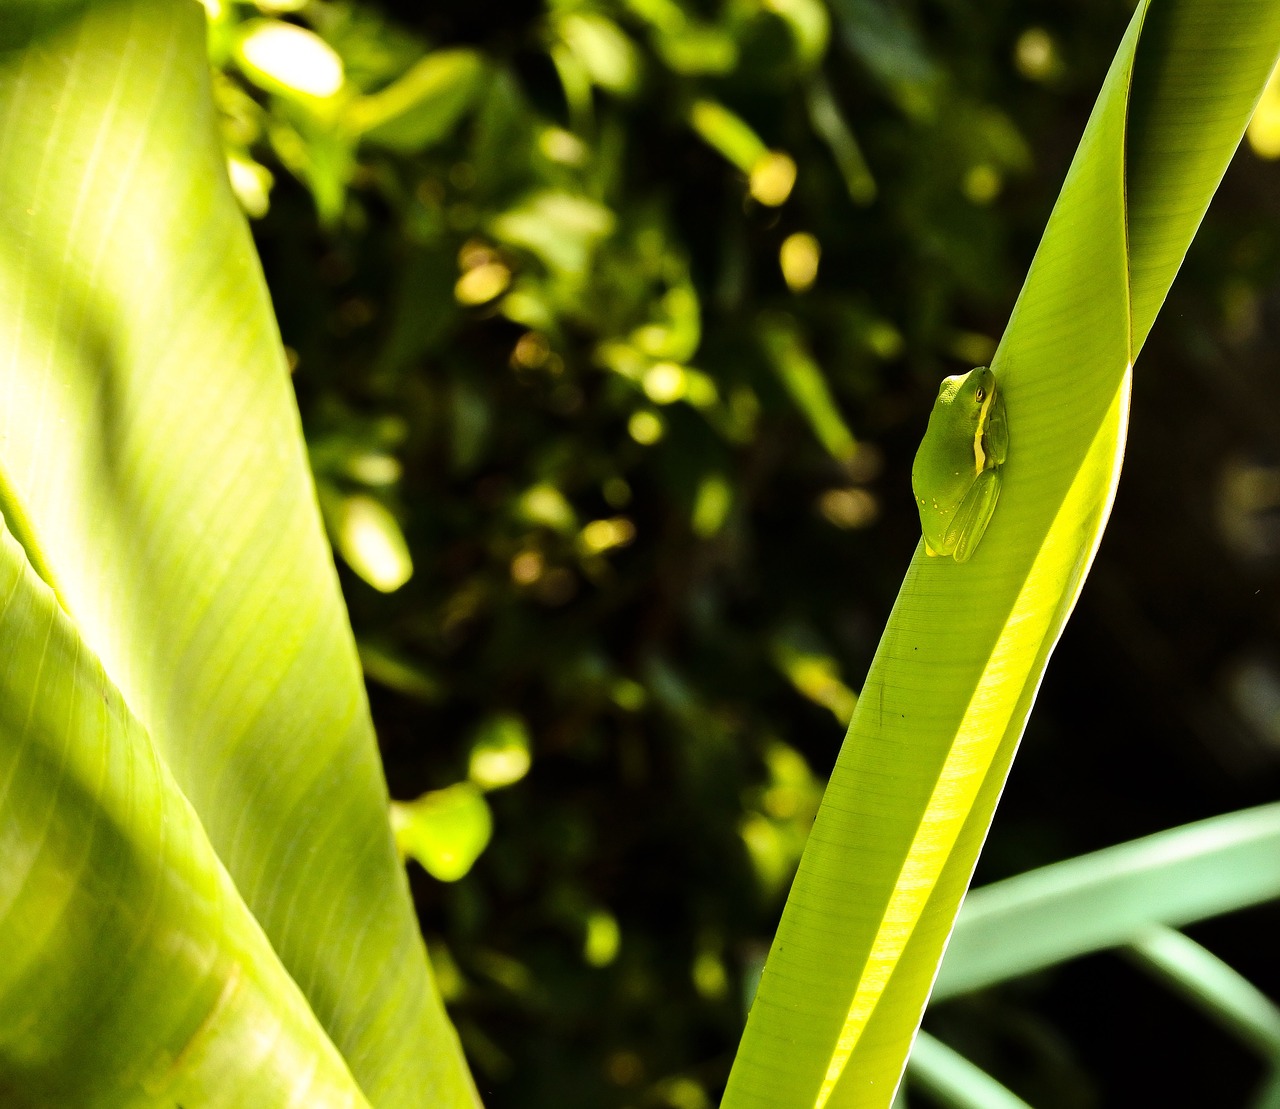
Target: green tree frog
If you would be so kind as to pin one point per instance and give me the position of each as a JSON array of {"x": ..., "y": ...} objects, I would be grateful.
[{"x": 956, "y": 475}]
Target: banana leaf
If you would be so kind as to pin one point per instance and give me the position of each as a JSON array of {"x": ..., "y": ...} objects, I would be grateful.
[{"x": 200, "y": 900}]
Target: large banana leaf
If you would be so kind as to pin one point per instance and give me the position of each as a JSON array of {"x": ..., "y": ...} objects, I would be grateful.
[
  {"x": 944, "y": 706},
  {"x": 194, "y": 813},
  {"x": 133, "y": 972}
]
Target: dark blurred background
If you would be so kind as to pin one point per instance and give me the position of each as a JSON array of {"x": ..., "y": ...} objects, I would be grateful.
[{"x": 615, "y": 326}]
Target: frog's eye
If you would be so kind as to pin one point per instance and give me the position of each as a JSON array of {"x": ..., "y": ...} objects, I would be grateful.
[{"x": 980, "y": 395}]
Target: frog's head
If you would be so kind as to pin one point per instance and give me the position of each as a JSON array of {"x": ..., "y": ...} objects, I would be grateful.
[
  {"x": 968, "y": 397},
  {"x": 967, "y": 400}
]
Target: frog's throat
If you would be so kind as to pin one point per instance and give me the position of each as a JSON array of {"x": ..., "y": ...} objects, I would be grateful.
[{"x": 979, "y": 455}]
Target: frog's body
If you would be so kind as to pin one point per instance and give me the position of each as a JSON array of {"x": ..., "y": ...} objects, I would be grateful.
[{"x": 956, "y": 475}]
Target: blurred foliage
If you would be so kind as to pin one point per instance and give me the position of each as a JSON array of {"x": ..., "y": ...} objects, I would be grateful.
[{"x": 615, "y": 324}]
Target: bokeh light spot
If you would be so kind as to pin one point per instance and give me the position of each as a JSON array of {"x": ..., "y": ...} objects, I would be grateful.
[
  {"x": 799, "y": 259},
  {"x": 645, "y": 427},
  {"x": 665, "y": 382},
  {"x": 711, "y": 505},
  {"x": 531, "y": 351},
  {"x": 481, "y": 284},
  {"x": 603, "y": 939},
  {"x": 527, "y": 567},
  {"x": 500, "y": 752},
  {"x": 1264, "y": 127},
  {"x": 292, "y": 57},
  {"x": 370, "y": 540},
  {"x": 1035, "y": 55},
  {"x": 251, "y": 183},
  {"x": 772, "y": 178},
  {"x": 982, "y": 184},
  {"x": 604, "y": 535},
  {"x": 848, "y": 509}
]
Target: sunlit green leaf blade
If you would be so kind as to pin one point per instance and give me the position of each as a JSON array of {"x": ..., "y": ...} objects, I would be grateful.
[
  {"x": 133, "y": 974},
  {"x": 908, "y": 803},
  {"x": 149, "y": 436},
  {"x": 947, "y": 697}
]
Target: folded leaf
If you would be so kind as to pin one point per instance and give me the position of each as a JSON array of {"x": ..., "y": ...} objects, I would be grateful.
[
  {"x": 948, "y": 694},
  {"x": 133, "y": 973},
  {"x": 150, "y": 439}
]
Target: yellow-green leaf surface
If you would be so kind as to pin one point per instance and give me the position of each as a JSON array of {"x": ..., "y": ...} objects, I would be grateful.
[
  {"x": 947, "y": 697},
  {"x": 152, "y": 467},
  {"x": 133, "y": 972}
]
